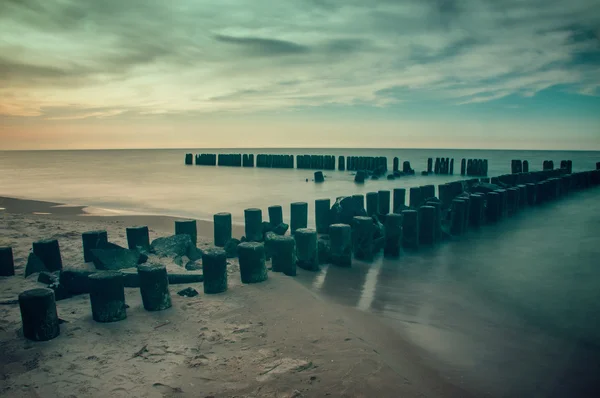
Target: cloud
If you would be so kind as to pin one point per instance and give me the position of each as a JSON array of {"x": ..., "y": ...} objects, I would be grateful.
[{"x": 156, "y": 57}]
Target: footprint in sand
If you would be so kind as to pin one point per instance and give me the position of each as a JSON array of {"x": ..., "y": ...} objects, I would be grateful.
[{"x": 165, "y": 389}]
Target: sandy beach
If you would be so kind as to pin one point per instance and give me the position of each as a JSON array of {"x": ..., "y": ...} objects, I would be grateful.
[{"x": 274, "y": 339}]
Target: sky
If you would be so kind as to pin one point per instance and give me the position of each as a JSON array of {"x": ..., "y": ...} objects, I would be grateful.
[{"x": 499, "y": 74}]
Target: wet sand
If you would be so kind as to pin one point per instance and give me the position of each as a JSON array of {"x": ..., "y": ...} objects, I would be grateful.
[{"x": 274, "y": 339}]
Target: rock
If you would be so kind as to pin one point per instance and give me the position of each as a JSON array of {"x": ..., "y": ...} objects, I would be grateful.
[
  {"x": 60, "y": 292},
  {"x": 115, "y": 259},
  {"x": 176, "y": 245},
  {"x": 344, "y": 209},
  {"x": 375, "y": 177},
  {"x": 34, "y": 264},
  {"x": 359, "y": 177},
  {"x": 192, "y": 266},
  {"x": 398, "y": 174},
  {"x": 424, "y": 173},
  {"x": 324, "y": 247},
  {"x": 188, "y": 292},
  {"x": 319, "y": 176},
  {"x": 231, "y": 247},
  {"x": 391, "y": 177},
  {"x": 178, "y": 260},
  {"x": 48, "y": 278},
  {"x": 281, "y": 229}
]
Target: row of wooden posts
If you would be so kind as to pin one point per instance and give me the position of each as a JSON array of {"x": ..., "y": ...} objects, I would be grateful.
[{"x": 522, "y": 166}]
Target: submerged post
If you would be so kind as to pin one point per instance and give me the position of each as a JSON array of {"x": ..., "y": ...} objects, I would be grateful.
[
  {"x": 340, "y": 238},
  {"x": 252, "y": 262},
  {"x": 222, "y": 228},
  {"x": 38, "y": 314},
  {"x": 107, "y": 296},
  {"x": 307, "y": 249},
  {"x": 253, "y": 225}
]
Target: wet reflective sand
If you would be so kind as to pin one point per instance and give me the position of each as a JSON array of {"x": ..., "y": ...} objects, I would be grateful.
[{"x": 512, "y": 309}]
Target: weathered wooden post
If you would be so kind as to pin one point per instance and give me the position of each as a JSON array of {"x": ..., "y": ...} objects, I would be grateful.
[
  {"x": 92, "y": 240},
  {"x": 299, "y": 216},
  {"x": 410, "y": 229},
  {"x": 451, "y": 168},
  {"x": 359, "y": 201},
  {"x": 427, "y": 192},
  {"x": 275, "y": 215},
  {"x": 222, "y": 228},
  {"x": 503, "y": 203},
  {"x": 307, "y": 249},
  {"x": 476, "y": 212},
  {"x": 362, "y": 236},
  {"x": 493, "y": 206},
  {"x": 138, "y": 237},
  {"x": 430, "y": 165},
  {"x": 383, "y": 205},
  {"x": 396, "y": 165},
  {"x": 319, "y": 176},
  {"x": 107, "y": 296},
  {"x": 463, "y": 167},
  {"x": 49, "y": 252},
  {"x": 438, "y": 219},
  {"x": 399, "y": 199},
  {"x": 525, "y": 166},
  {"x": 359, "y": 178},
  {"x": 154, "y": 287},
  {"x": 252, "y": 262},
  {"x": 341, "y": 163},
  {"x": 253, "y": 225},
  {"x": 322, "y": 219},
  {"x": 438, "y": 167},
  {"x": 189, "y": 159},
  {"x": 597, "y": 165},
  {"x": 457, "y": 226},
  {"x": 415, "y": 197},
  {"x": 426, "y": 225},
  {"x": 7, "y": 263},
  {"x": 513, "y": 200},
  {"x": 372, "y": 203},
  {"x": 283, "y": 254},
  {"x": 38, "y": 314},
  {"x": 340, "y": 238},
  {"x": 393, "y": 235},
  {"x": 214, "y": 269},
  {"x": 187, "y": 227}
]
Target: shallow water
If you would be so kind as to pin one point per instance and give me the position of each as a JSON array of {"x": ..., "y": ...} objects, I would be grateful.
[
  {"x": 512, "y": 309},
  {"x": 158, "y": 182}
]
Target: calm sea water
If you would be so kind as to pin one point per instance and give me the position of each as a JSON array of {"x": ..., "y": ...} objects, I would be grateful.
[
  {"x": 158, "y": 182},
  {"x": 511, "y": 310}
]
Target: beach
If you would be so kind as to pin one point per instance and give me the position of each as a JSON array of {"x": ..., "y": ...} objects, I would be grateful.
[{"x": 275, "y": 339}]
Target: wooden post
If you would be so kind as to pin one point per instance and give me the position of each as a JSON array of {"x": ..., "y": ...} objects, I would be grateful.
[
  {"x": 341, "y": 163},
  {"x": 340, "y": 238},
  {"x": 252, "y": 262},
  {"x": 383, "y": 202},
  {"x": 399, "y": 199},
  {"x": 183, "y": 227},
  {"x": 430, "y": 165},
  {"x": 322, "y": 208},
  {"x": 410, "y": 229},
  {"x": 92, "y": 240},
  {"x": 7, "y": 263},
  {"x": 214, "y": 269},
  {"x": 38, "y": 314},
  {"x": 154, "y": 287},
  {"x": 476, "y": 211},
  {"x": 307, "y": 249},
  {"x": 457, "y": 226},
  {"x": 427, "y": 225},
  {"x": 503, "y": 203},
  {"x": 415, "y": 197},
  {"x": 222, "y": 228},
  {"x": 275, "y": 215},
  {"x": 396, "y": 164},
  {"x": 138, "y": 237},
  {"x": 438, "y": 219},
  {"x": 283, "y": 252},
  {"x": 253, "y": 224},
  {"x": 463, "y": 167},
  {"x": 49, "y": 252},
  {"x": 362, "y": 236},
  {"x": 107, "y": 296},
  {"x": 513, "y": 200},
  {"x": 359, "y": 201},
  {"x": 451, "y": 171},
  {"x": 299, "y": 216},
  {"x": 372, "y": 203},
  {"x": 319, "y": 176},
  {"x": 493, "y": 206},
  {"x": 393, "y": 235}
]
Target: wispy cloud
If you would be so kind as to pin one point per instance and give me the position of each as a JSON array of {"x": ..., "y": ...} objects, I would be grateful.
[{"x": 157, "y": 57}]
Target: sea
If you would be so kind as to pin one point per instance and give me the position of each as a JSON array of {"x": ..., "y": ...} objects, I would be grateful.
[{"x": 508, "y": 310}]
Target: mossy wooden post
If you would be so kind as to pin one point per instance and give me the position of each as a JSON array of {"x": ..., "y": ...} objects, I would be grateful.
[
  {"x": 393, "y": 235},
  {"x": 183, "y": 227},
  {"x": 283, "y": 254},
  {"x": 457, "y": 226},
  {"x": 138, "y": 237},
  {"x": 38, "y": 314},
  {"x": 340, "y": 238},
  {"x": 7, "y": 263},
  {"x": 92, "y": 240},
  {"x": 410, "y": 229},
  {"x": 253, "y": 225},
  {"x": 426, "y": 225},
  {"x": 493, "y": 207},
  {"x": 154, "y": 287},
  {"x": 107, "y": 296},
  {"x": 383, "y": 204},
  {"x": 372, "y": 203},
  {"x": 322, "y": 211},
  {"x": 222, "y": 228},
  {"x": 214, "y": 269},
  {"x": 307, "y": 249},
  {"x": 252, "y": 262},
  {"x": 298, "y": 216},
  {"x": 476, "y": 210},
  {"x": 275, "y": 215},
  {"x": 359, "y": 201},
  {"x": 438, "y": 219},
  {"x": 399, "y": 200},
  {"x": 49, "y": 252},
  {"x": 415, "y": 197},
  {"x": 362, "y": 237}
]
